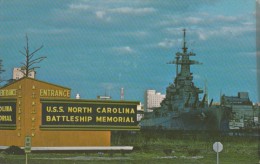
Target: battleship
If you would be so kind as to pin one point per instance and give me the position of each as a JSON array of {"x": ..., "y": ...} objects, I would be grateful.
[{"x": 181, "y": 108}]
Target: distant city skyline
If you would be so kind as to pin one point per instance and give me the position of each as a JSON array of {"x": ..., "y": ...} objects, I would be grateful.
[{"x": 98, "y": 47}]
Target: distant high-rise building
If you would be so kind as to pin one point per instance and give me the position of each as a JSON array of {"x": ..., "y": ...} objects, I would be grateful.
[
  {"x": 19, "y": 73},
  {"x": 140, "y": 111},
  {"x": 152, "y": 99}
]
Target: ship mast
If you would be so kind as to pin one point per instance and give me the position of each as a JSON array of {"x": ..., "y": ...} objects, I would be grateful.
[
  {"x": 184, "y": 42},
  {"x": 183, "y": 59}
]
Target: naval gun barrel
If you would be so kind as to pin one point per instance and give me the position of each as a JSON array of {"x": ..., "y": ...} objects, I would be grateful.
[
  {"x": 203, "y": 101},
  {"x": 211, "y": 101}
]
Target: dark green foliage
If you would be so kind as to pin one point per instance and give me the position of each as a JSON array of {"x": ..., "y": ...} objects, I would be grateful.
[
  {"x": 193, "y": 152},
  {"x": 167, "y": 151},
  {"x": 15, "y": 150}
]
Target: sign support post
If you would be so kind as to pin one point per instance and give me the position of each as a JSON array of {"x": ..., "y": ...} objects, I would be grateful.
[
  {"x": 26, "y": 159},
  {"x": 217, "y": 158},
  {"x": 27, "y": 147}
]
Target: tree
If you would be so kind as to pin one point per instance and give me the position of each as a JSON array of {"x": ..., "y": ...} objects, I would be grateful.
[
  {"x": 1, "y": 70},
  {"x": 28, "y": 65}
]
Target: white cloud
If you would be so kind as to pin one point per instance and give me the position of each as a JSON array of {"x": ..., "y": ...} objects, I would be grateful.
[
  {"x": 217, "y": 26},
  {"x": 237, "y": 23},
  {"x": 105, "y": 12},
  {"x": 237, "y": 30},
  {"x": 226, "y": 18},
  {"x": 100, "y": 14},
  {"x": 169, "y": 43},
  {"x": 125, "y": 49},
  {"x": 203, "y": 19},
  {"x": 248, "y": 23},
  {"x": 227, "y": 31},
  {"x": 79, "y": 7},
  {"x": 48, "y": 31},
  {"x": 103, "y": 16},
  {"x": 206, "y": 34},
  {"x": 133, "y": 33},
  {"x": 140, "y": 33},
  {"x": 193, "y": 20},
  {"x": 130, "y": 10},
  {"x": 202, "y": 35}
]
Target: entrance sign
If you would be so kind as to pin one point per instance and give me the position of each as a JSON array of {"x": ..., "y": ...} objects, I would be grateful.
[
  {"x": 23, "y": 102},
  {"x": 8, "y": 92},
  {"x": 90, "y": 114}
]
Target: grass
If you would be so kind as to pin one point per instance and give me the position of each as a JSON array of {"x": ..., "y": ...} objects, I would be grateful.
[{"x": 157, "y": 147}]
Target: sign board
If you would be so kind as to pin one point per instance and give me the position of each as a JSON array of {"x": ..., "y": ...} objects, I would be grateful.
[
  {"x": 27, "y": 144},
  {"x": 8, "y": 92},
  {"x": 55, "y": 93},
  {"x": 105, "y": 114},
  {"x": 7, "y": 113},
  {"x": 217, "y": 147}
]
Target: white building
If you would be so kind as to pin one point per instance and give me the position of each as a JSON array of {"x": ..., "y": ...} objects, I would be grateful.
[
  {"x": 152, "y": 99},
  {"x": 140, "y": 111},
  {"x": 18, "y": 73}
]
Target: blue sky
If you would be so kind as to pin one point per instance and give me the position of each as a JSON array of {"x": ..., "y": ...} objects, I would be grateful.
[{"x": 97, "y": 47}]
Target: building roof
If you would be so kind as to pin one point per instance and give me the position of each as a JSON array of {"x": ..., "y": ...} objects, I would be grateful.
[
  {"x": 235, "y": 100},
  {"x": 24, "y": 78}
]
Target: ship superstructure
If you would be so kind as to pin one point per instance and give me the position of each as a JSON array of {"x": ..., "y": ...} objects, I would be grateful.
[
  {"x": 182, "y": 93},
  {"x": 181, "y": 109}
]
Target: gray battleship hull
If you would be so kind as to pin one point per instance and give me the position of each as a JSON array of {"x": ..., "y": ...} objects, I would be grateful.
[{"x": 208, "y": 119}]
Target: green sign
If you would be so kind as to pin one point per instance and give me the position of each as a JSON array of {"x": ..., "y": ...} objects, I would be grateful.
[
  {"x": 27, "y": 144},
  {"x": 89, "y": 114}
]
